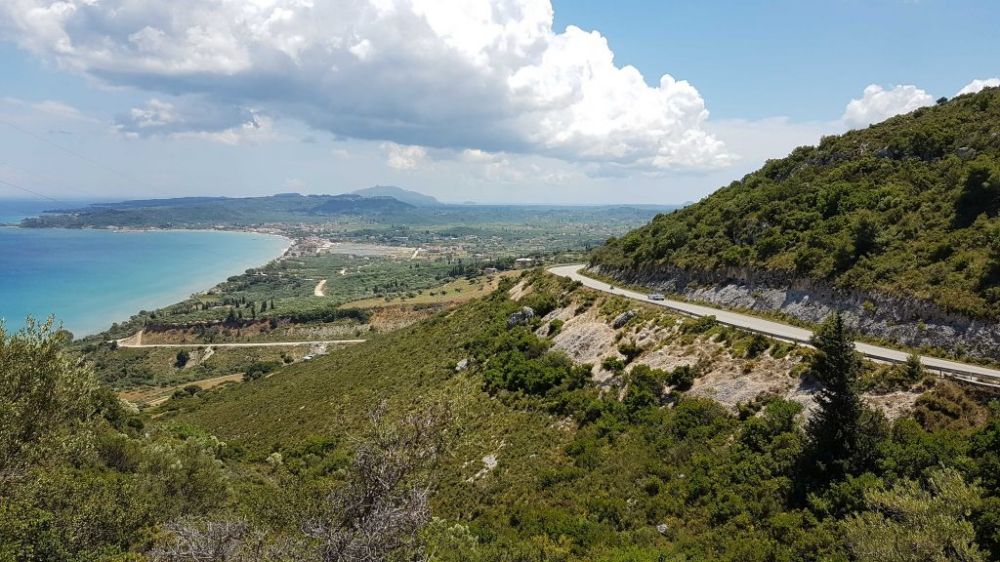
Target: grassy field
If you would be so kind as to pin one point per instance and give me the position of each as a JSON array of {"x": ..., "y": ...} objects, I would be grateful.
[{"x": 452, "y": 292}]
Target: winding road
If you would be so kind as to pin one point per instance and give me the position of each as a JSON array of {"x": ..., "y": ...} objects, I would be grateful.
[{"x": 977, "y": 374}]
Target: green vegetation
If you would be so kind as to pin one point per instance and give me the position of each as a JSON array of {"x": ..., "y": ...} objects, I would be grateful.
[
  {"x": 907, "y": 207},
  {"x": 723, "y": 487},
  {"x": 80, "y": 477},
  {"x": 843, "y": 433},
  {"x": 523, "y": 458}
]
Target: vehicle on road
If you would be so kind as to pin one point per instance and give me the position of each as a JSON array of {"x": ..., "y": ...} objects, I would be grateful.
[{"x": 656, "y": 296}]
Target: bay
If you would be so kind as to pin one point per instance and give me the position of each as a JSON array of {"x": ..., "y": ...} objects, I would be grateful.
[{"x": 89, "y": 279}]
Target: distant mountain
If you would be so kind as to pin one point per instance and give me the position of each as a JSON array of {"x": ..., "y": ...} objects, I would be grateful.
[
  {"x": 191, "y": 212},
  {"x": 149, "y": 203},
  {"x": 400, "y": 194},
  {"x": 350, "y": 204}
]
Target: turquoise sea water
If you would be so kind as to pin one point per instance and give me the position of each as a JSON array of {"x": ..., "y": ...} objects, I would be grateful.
[
  {"x": 91, "y": 278},
  {"x": 13, "y": 210}
]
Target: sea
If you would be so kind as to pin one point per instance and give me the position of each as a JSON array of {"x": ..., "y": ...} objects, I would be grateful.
[{"x": 88, "y": 279}]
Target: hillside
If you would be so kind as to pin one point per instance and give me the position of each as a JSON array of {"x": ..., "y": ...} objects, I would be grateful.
[
  {"x": 546, "y": 463},
  {"x": 898, "y": 223},
  {"x": 589, "y": 430}
]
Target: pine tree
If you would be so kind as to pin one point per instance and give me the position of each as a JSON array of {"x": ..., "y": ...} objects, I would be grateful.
[{"x": 843, "y": 432}]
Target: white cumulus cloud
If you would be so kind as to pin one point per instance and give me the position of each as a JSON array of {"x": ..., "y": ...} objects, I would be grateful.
[
  {"x": 878, "y": 104},
  {"x": 198, "y": 120},
  {"x": 978, "y": 84},
  {"x": 404, "y": 157},
  {"x": 450, "y": 74}
]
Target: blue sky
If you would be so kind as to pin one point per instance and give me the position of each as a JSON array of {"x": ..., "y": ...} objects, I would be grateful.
[
  {"x": 464, "y": 100},
  {"x": 799, "y": 58}
]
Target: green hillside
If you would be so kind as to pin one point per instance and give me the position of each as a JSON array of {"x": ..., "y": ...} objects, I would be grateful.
[
  {"x": 908, "y": 207},
  {"x": 583, "y": 474},
  {"x": 534, "y": 461}
]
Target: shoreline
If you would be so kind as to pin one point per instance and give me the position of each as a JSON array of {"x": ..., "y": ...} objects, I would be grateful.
[
  {"x": 290, "y": 243},
  {"x": 151, "y": 300}
]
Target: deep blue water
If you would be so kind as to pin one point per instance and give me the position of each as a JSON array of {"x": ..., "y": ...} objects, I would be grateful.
[{"x": 91, "y": 278}]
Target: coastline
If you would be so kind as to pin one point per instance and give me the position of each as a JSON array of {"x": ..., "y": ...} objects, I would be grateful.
[{"x": 116, "y": 307}]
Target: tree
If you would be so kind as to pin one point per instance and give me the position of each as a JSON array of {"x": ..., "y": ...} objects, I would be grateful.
[
  {"x": 843, "y": 432},
  {"x": 865, "y": 234},
  {"x": 980, "y": 192},
  {"x": 182, "y": 359},
  {"x": 44, "y": 396},
  {"x": 913, "y": 369},
  {"x": 914, "y": 523}
]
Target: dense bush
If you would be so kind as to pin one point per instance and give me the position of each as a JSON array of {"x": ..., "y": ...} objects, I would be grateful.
[
  {"x": 903, "y": 207},
  {"x": 78, "y": 481},
  {"x": 260, "y": 368},
  {"x": 330, "y": 314}
]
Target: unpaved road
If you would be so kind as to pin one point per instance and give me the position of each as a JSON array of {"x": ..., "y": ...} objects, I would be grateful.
[
  {"x": 157, "y": 396},
  {"x": 955, "y": 369},
  {"x": 241, "y": 344},
  {"x": 320, "y": 290}
]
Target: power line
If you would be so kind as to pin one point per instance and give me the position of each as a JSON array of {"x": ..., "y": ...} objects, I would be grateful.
[
  {"x": 83, "y": 157},
  {"x": 32, "y": 192}
]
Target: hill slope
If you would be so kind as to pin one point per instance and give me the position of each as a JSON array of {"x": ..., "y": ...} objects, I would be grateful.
[
  {"x": 542, "y": 464},
  {"x": 902, "y": 216}
]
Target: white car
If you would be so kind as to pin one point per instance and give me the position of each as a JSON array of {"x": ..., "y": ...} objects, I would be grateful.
[{"x": 656, "y": 297}]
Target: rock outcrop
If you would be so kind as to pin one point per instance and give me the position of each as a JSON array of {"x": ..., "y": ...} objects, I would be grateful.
[{"x": 912, "y": 322}]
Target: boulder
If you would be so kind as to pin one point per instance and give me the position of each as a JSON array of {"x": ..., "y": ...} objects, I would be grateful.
[
  {"x": 623, "y": 318},
  {"x": 520, "y": 317}
]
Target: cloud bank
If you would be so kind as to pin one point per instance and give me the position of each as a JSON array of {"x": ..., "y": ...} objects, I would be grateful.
[
  {"x": 978, "y": 84},
  {"x": 878, "y": 104},
  {"x": 446, "y": 74}
]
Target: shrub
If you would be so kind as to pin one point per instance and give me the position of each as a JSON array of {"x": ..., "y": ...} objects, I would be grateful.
[
  {"x": 630, "y": 350},
  {"x": 260, "y": 368},
  {"x": 613, "y": 364},
  {"x": 757, "y": 346},
  {"x": 698, "y": 325},
  {"x": 682, "y": 378}
]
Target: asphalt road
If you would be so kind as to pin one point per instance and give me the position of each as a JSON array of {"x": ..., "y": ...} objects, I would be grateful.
[{"x": 955, "y": 369}]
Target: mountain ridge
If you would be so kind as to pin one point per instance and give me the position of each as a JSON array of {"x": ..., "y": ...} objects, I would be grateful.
[{"x": 409, "y": 196}]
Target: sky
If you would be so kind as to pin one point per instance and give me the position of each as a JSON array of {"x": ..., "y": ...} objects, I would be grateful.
[{"x": 510, "y": 101}]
